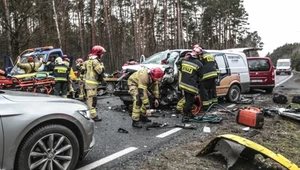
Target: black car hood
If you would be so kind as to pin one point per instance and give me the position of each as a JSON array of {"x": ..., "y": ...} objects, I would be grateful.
[{"x": 17, "y": 96}]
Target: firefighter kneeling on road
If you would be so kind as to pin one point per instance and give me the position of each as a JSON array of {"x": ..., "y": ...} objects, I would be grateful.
[
  {"x": 61, "y": 75},
  {"x": 79, "y": 79},
  {"x": 139, "y": 83},
  {"x": 92, "y": 70},
  {"x": 191, "y": 73},
  {"x": 207, "y": 87}
]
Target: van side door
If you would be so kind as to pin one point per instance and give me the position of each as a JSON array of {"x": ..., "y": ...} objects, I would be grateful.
[
  {"x": 238, "y": 64},
  {"x": 224, "y": 71},
  {"x": 1, "y": 143}
]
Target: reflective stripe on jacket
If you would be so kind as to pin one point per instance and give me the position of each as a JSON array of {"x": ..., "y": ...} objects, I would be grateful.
[
  {"x": 93, "y": 68},
  {"x": 142, "y": 80},
  {"x": 191, "y": 73},
  {"x": 209, "y": 66},
  {"x": 61, "y": 72}
]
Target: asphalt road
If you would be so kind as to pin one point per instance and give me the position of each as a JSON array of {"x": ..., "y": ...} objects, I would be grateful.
[{"x": 113, "y": 149}]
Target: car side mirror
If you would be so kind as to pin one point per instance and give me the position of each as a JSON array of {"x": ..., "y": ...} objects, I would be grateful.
[{"x": 142, "y": 59}]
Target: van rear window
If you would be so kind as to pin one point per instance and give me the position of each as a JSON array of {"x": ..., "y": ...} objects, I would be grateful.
[{"x": 259, "y": 65}]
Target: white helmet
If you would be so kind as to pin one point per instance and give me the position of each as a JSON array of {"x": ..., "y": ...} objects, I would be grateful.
[{"x": 58, "y": 60}]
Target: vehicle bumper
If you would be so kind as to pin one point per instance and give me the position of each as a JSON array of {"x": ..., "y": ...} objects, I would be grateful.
[
  {"x": 86, "y": 152},
  {"x": 263, "y": 86}
]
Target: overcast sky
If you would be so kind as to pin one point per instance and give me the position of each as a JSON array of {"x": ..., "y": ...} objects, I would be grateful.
[{"x": 276, "y": 21}]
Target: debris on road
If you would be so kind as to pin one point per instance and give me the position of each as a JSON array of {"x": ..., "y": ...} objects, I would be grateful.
[
  {"x": 121, "y": 130},
  {"x": 233, "y": 147}
]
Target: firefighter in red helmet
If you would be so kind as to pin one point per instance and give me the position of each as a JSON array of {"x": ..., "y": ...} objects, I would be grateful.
[
  {"x": 191, "y": 74},
  {"x": 92, "y": 70},
  {"x": 139, "y": 84}
]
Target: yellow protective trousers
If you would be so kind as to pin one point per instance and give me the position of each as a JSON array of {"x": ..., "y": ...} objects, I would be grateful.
[
  {"x": 91, "y": 101},
  {"x": 138, "y": 107}
]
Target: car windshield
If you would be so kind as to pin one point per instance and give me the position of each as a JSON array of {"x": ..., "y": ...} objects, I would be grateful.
[
  {"x": 285, "y": 64},
  {"x": 156, "y": 58},
  {"x": 259, "y": 65}
]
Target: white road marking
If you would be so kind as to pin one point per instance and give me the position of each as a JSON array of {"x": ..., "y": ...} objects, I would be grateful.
[
  {"x": 108, "y": 158},
  {"x": 284, "y": 80},
  {"x": 168, "y": 133}
]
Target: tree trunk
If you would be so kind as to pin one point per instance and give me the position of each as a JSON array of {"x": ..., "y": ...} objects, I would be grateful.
[
  {"x": 187, "y": 31},
  {"x": 109, "y": 30},
  {"x": 165, "y": 24},
  {"x": 9, "y": 28},
  {"x": 80, "y": 24},
  {"x": 178, "y": 25},
  {"x": 56, "y": 23},
  {"x": 93, "y": 38}
]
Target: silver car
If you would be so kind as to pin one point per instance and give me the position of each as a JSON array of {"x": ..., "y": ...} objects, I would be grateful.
[{"x": 43, "y": 132}]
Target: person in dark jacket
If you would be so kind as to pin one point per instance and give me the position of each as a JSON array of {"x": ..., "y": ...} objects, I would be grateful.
[
  {"x": 61, "y": 75},
  {"x": 191, "y": 74},
  {"x": 207, "y": 87}
]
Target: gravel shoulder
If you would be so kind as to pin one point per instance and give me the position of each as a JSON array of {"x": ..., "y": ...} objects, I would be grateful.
[{"x": 281, "y": 135}]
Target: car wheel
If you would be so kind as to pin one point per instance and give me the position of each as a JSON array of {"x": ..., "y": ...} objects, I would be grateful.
[
  {"x": 49, "y": 147},
  {"x": 269, "y": 90},
  {"x": 234, "y": 93},
  {"x": 110, "y": 87},
  {"x": 289, "y": 73}
]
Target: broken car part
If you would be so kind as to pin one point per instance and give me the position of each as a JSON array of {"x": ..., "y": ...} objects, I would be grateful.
[{"x": 233, "y": 147}]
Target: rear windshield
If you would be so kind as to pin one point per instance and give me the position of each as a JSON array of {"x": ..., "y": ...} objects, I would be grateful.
[{"x": 259, "y": 65}]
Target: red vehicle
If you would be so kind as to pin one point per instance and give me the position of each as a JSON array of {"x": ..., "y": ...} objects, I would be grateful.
[{"x": 262, "y": 74}]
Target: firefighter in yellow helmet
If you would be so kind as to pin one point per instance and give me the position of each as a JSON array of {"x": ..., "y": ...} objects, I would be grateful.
[
  {"x": 191, "y": 74},
  {"x": 139, "y": 83},
  {"x": 30, "y": 66},
  {"x": 93, "y": 69},
  {"x": 61, "y": 75}
]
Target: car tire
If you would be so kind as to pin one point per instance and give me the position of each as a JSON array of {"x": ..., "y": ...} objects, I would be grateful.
[
  {"x": 277, "y": 73},
  {"x": 234, "y": 94},
  {"x": 269, "y": 90},
  {"x": 37, "y": 146},
  {"x": 289, "y": 73}
]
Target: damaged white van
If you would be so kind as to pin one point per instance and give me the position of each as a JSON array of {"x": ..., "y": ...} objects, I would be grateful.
[{"x": 234, "y": 73}]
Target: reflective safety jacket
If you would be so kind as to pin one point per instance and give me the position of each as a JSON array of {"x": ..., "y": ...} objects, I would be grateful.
[
  {"x": 61, "y": 72},
  {"x": 93, "y": 68},
  {"x": 31, "y": 67},
  {"x": 143, "y": 81},
  {"x": 209, "y": 66},
  {"x": 191, "y": 74},
  {"x": 79, "y": 68}
]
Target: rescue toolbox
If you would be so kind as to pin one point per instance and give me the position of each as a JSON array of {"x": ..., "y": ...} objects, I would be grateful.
[{"x": 250, "y": 116}]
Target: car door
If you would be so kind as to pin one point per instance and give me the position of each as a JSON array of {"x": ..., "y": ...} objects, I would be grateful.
[
  {"x": 7, "y": 64},
  {"x": 224, "y": 71},
  {"x": 238, "y": 64},
  {"x": 1, "y": 141}
]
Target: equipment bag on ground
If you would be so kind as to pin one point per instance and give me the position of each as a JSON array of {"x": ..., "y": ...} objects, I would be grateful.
[{"x": 251, "y": 116}]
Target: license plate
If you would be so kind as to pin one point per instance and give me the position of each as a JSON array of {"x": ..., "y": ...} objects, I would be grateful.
[{"x": 256, "y": 81}]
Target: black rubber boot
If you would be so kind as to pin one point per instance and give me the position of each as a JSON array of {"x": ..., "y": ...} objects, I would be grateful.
[
  {"x": 136, "y": 124},
  {"x": 97, "y": 119},
  {"x": 185, "y": 119},
  {"x": 145, "y": 119}
]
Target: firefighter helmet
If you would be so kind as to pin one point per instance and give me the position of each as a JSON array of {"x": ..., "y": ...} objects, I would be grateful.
[
  {"x": 197, "y": 50},
  {"x": 58, "y": 60},
  {"x": 98, "y": 50},
  {"x": 156, "y": 73}
]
